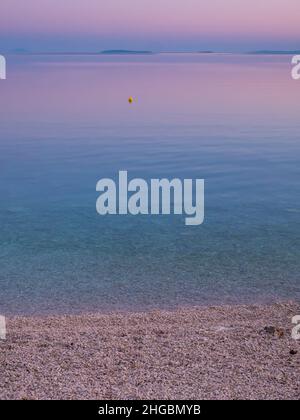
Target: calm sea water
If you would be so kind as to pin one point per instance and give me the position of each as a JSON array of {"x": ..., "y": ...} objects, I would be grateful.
[{"x": 65, "y": 123}]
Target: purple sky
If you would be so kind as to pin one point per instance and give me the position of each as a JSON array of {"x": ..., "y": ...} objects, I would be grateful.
[{"x": 93, "y": 25}]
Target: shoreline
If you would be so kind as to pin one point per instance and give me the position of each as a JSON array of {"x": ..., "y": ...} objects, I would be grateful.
[
  {"x": 138, "y": 310},
  {"x": 215, "y": 352}
]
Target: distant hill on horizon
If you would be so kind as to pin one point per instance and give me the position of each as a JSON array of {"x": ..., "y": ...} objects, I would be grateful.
[
  {"x": 270, "y": 52},
  {"x": 20, "y": 51},
  {"x": 125, "y": 52},
  {"x": 23, "y": 51}
]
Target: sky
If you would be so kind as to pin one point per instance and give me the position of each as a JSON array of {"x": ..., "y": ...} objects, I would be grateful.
[{"x": 157, "y": 25}]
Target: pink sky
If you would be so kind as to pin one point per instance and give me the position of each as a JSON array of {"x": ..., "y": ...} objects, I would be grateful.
[{"x": 151, "y": 24}]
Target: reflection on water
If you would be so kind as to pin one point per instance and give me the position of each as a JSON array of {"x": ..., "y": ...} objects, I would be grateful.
[{"x": 65, "y": 122}]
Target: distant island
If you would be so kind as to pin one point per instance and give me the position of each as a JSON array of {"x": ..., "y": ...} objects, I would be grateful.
[
  {"x": 20, "y": 51},
  {"x": 270, "y": 52},
  {"x": 125, "y": 52},
  {"x": 107, "y": 52},
  {"x": 23, "y": 51}
]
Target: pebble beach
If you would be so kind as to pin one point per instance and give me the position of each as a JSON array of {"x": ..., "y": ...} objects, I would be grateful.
[{"x": 225, "y": 352}]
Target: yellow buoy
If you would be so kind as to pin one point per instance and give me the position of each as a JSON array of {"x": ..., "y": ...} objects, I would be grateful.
[{"x": 130, "y": 99}]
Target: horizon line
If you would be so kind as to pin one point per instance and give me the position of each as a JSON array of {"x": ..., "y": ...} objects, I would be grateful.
[{"x": 149, "y": 52}]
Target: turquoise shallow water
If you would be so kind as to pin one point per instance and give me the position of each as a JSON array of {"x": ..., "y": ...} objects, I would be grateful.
[{"x": 65, "y": 123}]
